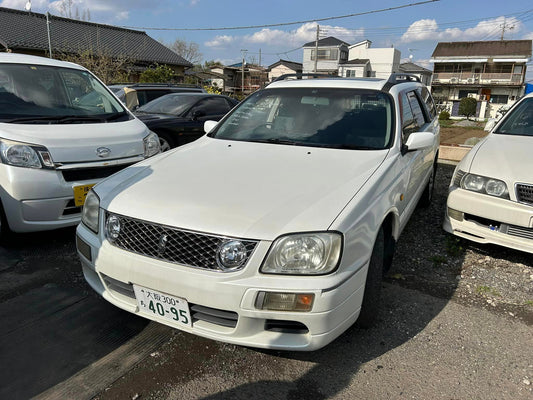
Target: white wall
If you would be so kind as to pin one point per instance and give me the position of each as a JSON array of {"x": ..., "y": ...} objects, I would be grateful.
[
  {"x": 383, "y": 61},
  {"x": 278, "y": 71}
]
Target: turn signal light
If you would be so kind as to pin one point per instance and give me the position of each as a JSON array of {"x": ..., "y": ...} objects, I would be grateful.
[{"x": 272, "y": 301}]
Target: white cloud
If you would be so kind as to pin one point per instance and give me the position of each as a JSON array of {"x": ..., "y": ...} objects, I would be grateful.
[
  {"x": 528, "y": 36},
  {"x": 220, "y": 41},
  {"x": 20, "y": 4},
  {"x": 428, "y": 29},
  {"x": 303, "y": 34}
]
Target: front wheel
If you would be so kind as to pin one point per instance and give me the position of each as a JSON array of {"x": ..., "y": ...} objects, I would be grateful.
[
  {"x": 372, "y": 296},
  {"x": 165, "y": 142}
]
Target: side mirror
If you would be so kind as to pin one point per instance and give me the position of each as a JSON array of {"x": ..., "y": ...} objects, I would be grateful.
[
  {"x": 491, "y": 123},
  {"x": 209, "y": 126},
  {"x": 420, "y": 140}
]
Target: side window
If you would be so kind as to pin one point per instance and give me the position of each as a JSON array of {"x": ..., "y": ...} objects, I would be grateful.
[
  {"x": 409, "y": 124},
  {"x": 416, "y": 109},
  {"x": 212, "y": 106},
  {"x": 150, "y": 95},
  {"x": 429, "y": 103}
]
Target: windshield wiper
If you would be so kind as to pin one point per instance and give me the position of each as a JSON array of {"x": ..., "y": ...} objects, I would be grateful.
[
  {"x": 117, "y": 116},
  {"x": 347, "y": 147},
  {"x": 279, "y": 141},
  {"x": 59, "y": 119}
]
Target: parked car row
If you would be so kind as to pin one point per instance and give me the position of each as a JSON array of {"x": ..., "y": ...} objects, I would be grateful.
[{"x": 273, "y": 221}]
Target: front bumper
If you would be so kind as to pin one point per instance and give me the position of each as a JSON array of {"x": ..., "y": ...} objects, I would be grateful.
[
  {"x": 487, "y": 219},
  {"x": 337, "y": 302}
]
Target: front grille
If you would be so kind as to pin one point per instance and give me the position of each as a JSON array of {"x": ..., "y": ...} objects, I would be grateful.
[
  {"x": 214, "y": 316},
  {"x": 84, "y": 174},
  {"x": 524, "y": 193},
  {"x": 526, "y": 233},
  {"x": 191, "y": 249}
]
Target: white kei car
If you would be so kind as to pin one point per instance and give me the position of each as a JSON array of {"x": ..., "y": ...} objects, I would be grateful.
[
  {"x": 490, "y": 198},
  {"x": 274, "y": 229}
]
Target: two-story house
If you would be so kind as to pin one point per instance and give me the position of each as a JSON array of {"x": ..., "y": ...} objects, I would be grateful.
[
  {"x": 365, "y": 61},
  {"x": 330, "y": 52},
  {"x": 231, "y": 80},
  {"x": 493, "y": 72}
]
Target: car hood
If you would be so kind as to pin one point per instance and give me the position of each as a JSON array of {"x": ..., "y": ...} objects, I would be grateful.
[
  {"x": 153, "y": 119},
  {"x": 505, "y": 157},
  {"x": 241, "y": 189},
  {"x": 76, "y": 143}
]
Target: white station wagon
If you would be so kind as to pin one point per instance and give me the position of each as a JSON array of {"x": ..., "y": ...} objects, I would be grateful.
[
  {"x": 490, "y": 197},
  {"x": 274, "y": 229}
]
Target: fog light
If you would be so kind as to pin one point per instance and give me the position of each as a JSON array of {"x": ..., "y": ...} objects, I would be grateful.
[
  {"x": 458, "y": 215},
  {"x": 285, "y": 301}
]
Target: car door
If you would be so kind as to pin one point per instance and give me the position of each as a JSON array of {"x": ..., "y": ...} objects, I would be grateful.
[{"x": 414, "y": 163}]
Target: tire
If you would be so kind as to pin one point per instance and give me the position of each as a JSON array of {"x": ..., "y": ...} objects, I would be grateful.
[
  {"x": 5, "y": 231},
  {"x": 427, "y": 195},
  {"x": 372, "y": 296},
  {"x": 165, "y": 142}
]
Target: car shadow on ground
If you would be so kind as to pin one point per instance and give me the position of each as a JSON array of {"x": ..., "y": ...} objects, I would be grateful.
[{"x": 53, "y": 325}]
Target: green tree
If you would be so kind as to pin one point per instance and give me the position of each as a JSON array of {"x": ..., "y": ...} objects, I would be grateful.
[
  {"x": 467, "y": 107},
  {"x": 160, "y": 73}
]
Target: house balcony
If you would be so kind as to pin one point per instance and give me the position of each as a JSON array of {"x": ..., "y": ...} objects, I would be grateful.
[{"x": 481, "y": 79}]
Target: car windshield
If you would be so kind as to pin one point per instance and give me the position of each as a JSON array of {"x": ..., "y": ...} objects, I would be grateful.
[
  {"x": 173, "y": 104},
  {"x": 519, "y": 121},
  {"x": 46, "y": 94},
  {"x": 320, "y": 117}
]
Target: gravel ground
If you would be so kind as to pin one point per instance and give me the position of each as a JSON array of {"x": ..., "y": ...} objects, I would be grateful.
[{"x": 437, "y": 263}]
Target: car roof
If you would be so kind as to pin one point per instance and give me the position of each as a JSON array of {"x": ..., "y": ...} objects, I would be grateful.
[
  {"x": 15, "y": 58},
  {"x": 400, "y": 80}
]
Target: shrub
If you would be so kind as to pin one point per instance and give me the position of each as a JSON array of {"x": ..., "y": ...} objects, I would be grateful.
[
  {"x": 467, "y": 107},
  {"x": 444, "y": 115}
]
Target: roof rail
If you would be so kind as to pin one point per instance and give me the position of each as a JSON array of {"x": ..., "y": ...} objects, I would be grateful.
[
  {"x": 399, "y": 77},
  {"x": 184, "y": 85},
  {"x": 300, "y": 76}
]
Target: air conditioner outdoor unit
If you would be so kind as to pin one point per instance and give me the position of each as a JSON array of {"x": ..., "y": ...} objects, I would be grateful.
[
  {"x": 453, "y": 80},
  {"x": 473, "y": 95},
  {"x": 470, "y": 80}
]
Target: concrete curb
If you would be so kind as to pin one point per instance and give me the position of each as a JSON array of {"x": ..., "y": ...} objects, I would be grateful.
[{"x": 452, "y": 152}]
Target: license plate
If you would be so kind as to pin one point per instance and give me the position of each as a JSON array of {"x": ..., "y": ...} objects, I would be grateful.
[
  {"x": 80, "y": 193},
  {"x": 163, "y": 305}
]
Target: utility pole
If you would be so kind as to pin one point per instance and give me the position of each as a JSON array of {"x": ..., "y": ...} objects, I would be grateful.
[
  {"x": 243, "y": 52},
  {"x": 316, "y": 46},
  {"x": 504, "y": 26},
  {"x": 48, "y": 30}
]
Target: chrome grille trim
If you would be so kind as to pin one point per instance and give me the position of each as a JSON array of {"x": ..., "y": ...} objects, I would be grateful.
[
  {"x": 524, "y": 193},
  {"x": 183, "y": 247}
]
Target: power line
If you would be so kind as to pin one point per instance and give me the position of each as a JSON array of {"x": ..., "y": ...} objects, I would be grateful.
[{"x": 284, "y": 23}]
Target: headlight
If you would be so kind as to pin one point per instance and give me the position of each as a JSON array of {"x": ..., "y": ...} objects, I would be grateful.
[
  {"x": 151, "y": 145},
  {"x": 482, "y": 184},
  {"x": 91, "y": 211},
  {"x": 304, "y": 254},
  {"x": 25, "y": 155}
]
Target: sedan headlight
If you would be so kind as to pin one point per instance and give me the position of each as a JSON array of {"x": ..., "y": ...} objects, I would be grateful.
[
  {"x": 304, "y": 254},
  {"x": 91, "y": 211},
  {"x": 485, "y": 185},
  {"x": 151, "y": 145},
  {"x": 26, "y": 155}
]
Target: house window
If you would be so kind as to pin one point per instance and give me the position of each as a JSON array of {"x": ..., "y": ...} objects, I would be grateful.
[
  {"x": 350, "y": 73},
  {"x": 325, "y": 54},
  {"x": 499, "y": 98},
  {"x": 344, "y": 55},
  {"x": 465, "y": 93}
]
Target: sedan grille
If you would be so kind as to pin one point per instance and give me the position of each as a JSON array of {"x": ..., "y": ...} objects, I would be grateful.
[
  {"x": 84, "y": 174},
  {"x": 524, "y": 193},
  {"x": 191, "y": 249}
]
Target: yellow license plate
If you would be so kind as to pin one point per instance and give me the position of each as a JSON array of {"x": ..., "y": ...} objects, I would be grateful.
[{"x": 80, "y": 193}]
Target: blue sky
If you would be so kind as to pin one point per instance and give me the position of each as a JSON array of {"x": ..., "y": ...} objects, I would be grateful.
[{"x": 414, "y": 30}]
